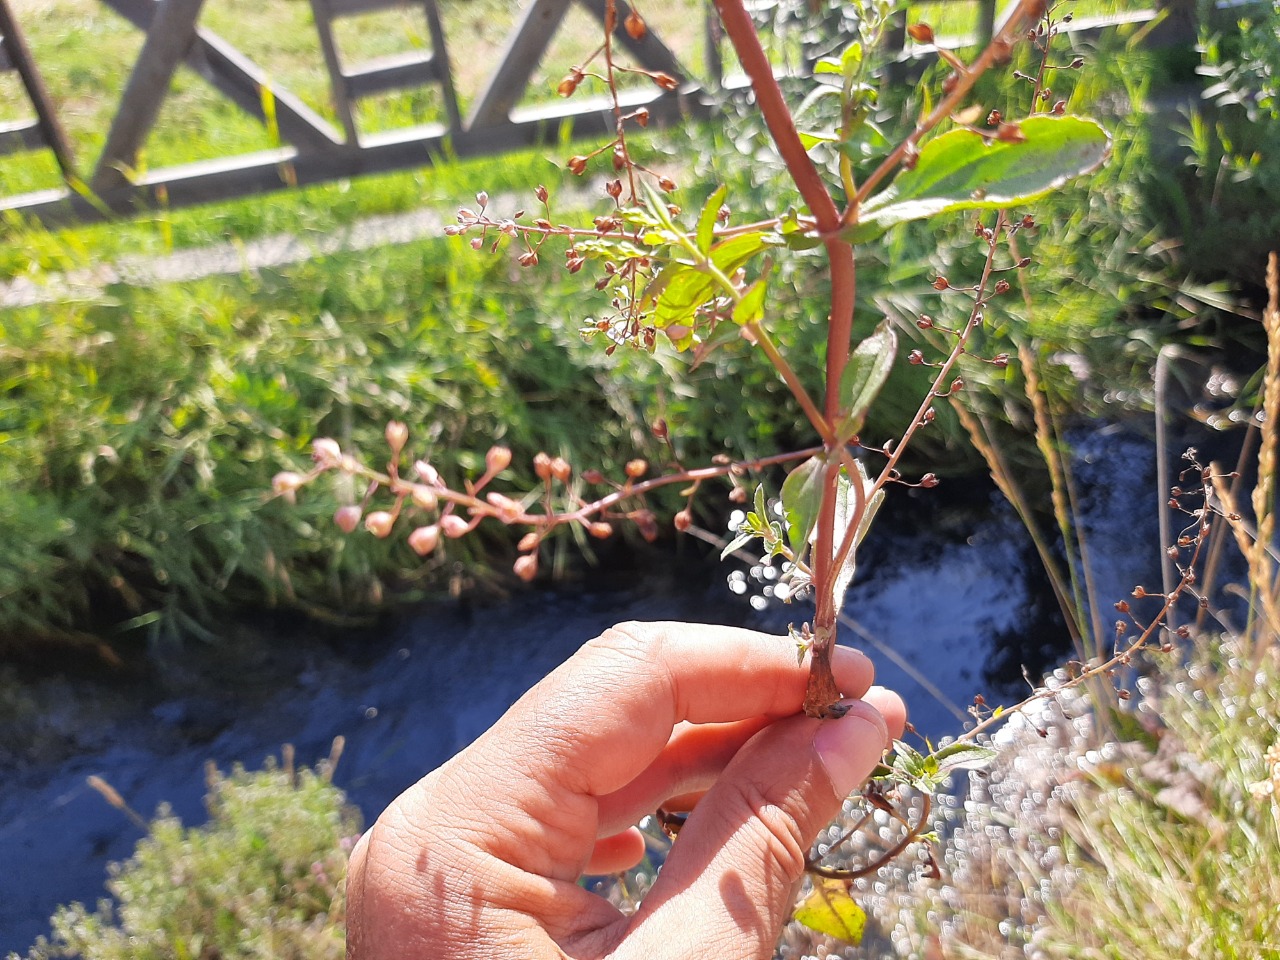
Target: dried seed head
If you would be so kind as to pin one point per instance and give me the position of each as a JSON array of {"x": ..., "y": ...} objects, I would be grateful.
[
  {"x": 453, "y": 526},
  {"x": 379, "y": 523},
  {"x": 635, "y": 27},
  {"x": 569, "y": 85},
  {"x": 665, "y": 81},
  {"x": 497, "y": 459},
  {"x": 619, "y": 156},
  {"x": 994, "y": 118},
  {"x": 642, "y": 116},
  {"x": 326, "y": 453},
  {"x": 1002, "y": 286},
  {"x": 941, "y": 283},
  {"x": 666, "y": 184},
  {"x": 577, "y": 165},
  {"x": 1077, "y": 63},
  {"x": 561, "y": 470},
  {"x": 659, "y": 429},
  {"x": 528, "y": 259},
  {"x": 526, "y": 567},
  {"x": 1059, "y": 108},
  {"x": 1000, "y": 360},
  {"x": 397, "y": 435},
  {"x": 540, "y": 192},
  {"x": 925, "y": 322},
  {"x": 637, "y": 469},
  {"x": 613, "y": 188},
  {"x": 1122, "y": 606},
  {"x": 915, "y": 358},
  {"x": 346, "y": 518},
  {"x": 929, "y": 480},
  {"x": 424, "y": 539},
  {"x": 600, "y": 530},
  {"x": 683, "y": 520}
]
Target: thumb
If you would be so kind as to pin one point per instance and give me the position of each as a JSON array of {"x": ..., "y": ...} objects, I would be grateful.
[{"x": 728, "y": 885}]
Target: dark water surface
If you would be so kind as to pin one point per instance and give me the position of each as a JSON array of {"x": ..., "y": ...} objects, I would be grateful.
[{"x": 949, "y": 600}]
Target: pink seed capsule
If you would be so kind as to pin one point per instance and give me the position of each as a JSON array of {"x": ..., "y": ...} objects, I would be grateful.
[
  {"x": 424, "y": 539},
  {"x": 347, "y": 518},
  {"x": 379, "y": 523},
  {"x": 453, "y": 526}
]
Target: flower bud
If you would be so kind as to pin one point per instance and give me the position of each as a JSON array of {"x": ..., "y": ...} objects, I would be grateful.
[
  {"x": 425, "y": 497},
  {"x": 287, "y": 482},
  {"x": 526, "y": 567},
  {"x": 326, "y": 453},
  {"x": 508, "y": 510},
  {"x": 427, "y": 473},
  {"x": 346, "y": 518},
  {"x": 542, "y": 466},
  {"x": 424, "y": 539},
  {"x": 600, "y": 530},
  {"x": 636, "y": 469},
  {"x": 561, "y": 470},
  {"x": 482, "y": 198},
  {"x": 453, "y": 526},
  {"x": 528, "y": 542},
  {"x": 379, "y": 523},
  {"x": 683, "y": 520},
  {"x": 497, "y": 459},
  {"x": 397, "y": 435}
]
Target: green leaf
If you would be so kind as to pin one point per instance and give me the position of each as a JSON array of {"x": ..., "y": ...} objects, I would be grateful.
[
  {"x": 801, "y": 497},
  {"x": 707, "y": 220},
  {"x": 684, "y": 290},
  {"x": 657, "y": 205},
  {"x": 750, "y": 309},
  {"x": 829, "y": 909},
  {"x": 962, "y": 756},
  {"x": 864, "y": 376},
  {"x": 960, "y": 170}
]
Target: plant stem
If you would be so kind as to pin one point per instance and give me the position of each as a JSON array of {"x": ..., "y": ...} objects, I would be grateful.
[{"x": 762, "y": 339}]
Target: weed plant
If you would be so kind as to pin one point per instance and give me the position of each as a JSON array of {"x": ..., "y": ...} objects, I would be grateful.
[{"x": 264, "y": 878}]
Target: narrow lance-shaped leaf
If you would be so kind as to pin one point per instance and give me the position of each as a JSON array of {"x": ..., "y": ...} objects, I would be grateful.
[
  {"x": 801, "y": 498},
  {"x": 961, "y": 170},
  {"x": 846, "y": 506},
  {"x": 864, "y": 375},
  {"x": 707, "y": 220}
]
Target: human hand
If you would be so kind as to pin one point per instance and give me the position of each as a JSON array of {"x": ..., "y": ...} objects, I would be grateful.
[{"x": 481, "y": 857}]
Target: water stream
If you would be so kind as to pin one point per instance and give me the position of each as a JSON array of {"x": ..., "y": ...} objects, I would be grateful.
[{"x": 949, "y": 601}]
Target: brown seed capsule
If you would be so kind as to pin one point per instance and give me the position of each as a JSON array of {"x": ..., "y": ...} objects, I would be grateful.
[
  {"x": 1002, "y": 286},
  {"x": 542, "y": 466},
  {"x": 994, "y": 118},
  {"x": 665, "y": 81},
  {"x": 940, "y": 283},
  {"x": 915, "y": 358},
  {"x": 683, "y": 520},
  {"x": 569, "y": 85},
  {"x": 637, "y": 469},
  {"x": 561, "y": 470},
  {"x": 659, "y": 429},
  {"x": 526, "y": 567},
  {"x": 666, "y": 184},
  {"x": 613, "y": 188},
  {"x": 929, "y": 480},
  {"x": 642, "y": 116},
  {"x": 593, "y": 476},
  {"x": 920, "y": 32},
  {"x": 600, "y": 530},
  {"x": 528, "y": 259},
  {"x": 577, "y": 165},
  {"x": 635, "y": 27},
  {"x": 541, "y": 193}
]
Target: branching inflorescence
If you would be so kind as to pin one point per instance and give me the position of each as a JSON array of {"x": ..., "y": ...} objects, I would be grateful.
[{"x": 702, "y": 284}]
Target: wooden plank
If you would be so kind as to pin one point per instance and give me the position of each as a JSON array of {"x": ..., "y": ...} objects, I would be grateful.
[
  {"x": 170, "y": 36},
  {"x": 418, "y": 147},
  {"x": 322, "y": 13},
  {"x": 441, "y": 56},
  {"x": 240, "y": 80},
  {"x": 354, "y": 8},
  {"x": 525, "y": 47},
  {"x": 18, "y": 135},
  {"x": 392, "y": 73},
  {"x": 19, "y": 56}
]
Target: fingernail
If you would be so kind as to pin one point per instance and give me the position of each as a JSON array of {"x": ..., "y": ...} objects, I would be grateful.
[{"x": 850, "y": 748}]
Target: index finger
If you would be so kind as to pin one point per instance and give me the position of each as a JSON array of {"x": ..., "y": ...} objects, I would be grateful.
[{"x": 600, "y": 718}]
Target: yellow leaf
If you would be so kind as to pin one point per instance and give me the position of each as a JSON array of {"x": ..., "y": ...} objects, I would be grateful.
[{"x": 829, "y": 909}]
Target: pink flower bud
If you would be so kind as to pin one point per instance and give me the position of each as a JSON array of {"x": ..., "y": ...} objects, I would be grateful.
[
  {"x": 497, "y": 459},
  {"x": 508, "y": 509},
  {"x": 424, "y": 497},
  {"x": 397, "y": 435},
  {"x": 526, "y": 567},
  {"x": 561, "y": 470},
  {"x": 683, "y": 520},
  {"x": 346, "y": 518},
  {"x": 326, "y": 452},
  {"x": 379, "y": 523},
  {"x": 424, "y": 539},
  {"x": 427, "y": 473},
  {"x": 453, "y": 526},
  {"x": 542, "y": 466},
  {"x": 528, "y": 542},
  {"x": 286, "y": 482}
]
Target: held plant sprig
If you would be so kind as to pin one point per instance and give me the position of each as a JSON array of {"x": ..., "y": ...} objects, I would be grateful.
[{"x": 704, "y": 286}]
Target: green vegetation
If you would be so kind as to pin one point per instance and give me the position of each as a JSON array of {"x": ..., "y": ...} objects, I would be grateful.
[{"x": 264, "y": 878}]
